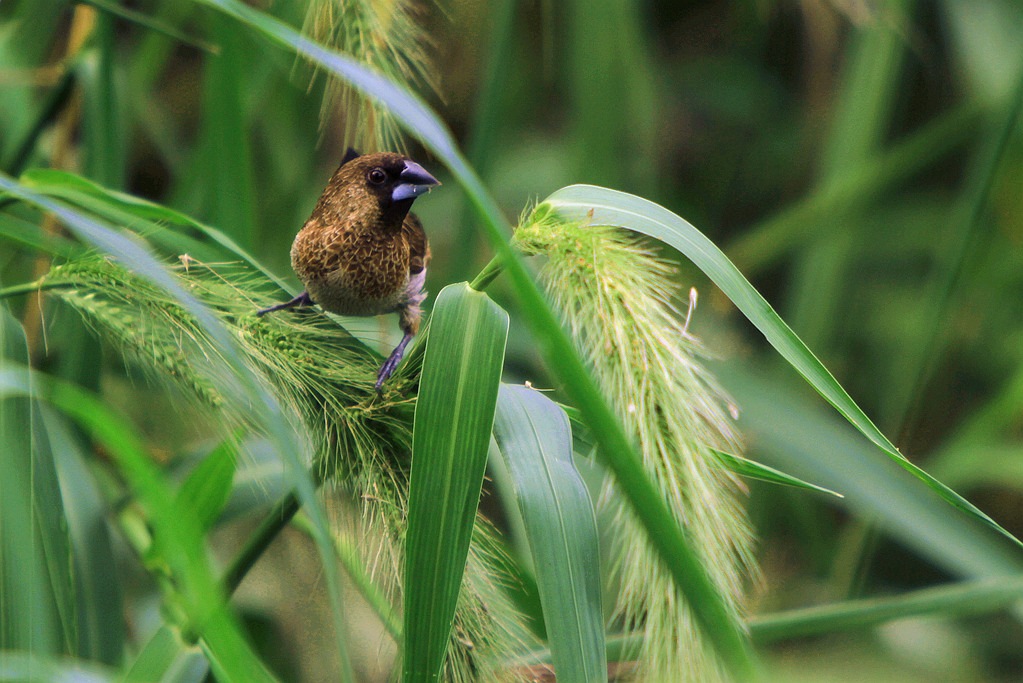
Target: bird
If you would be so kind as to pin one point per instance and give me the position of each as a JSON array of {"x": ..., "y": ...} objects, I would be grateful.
[{"x": 361, "y": 252}]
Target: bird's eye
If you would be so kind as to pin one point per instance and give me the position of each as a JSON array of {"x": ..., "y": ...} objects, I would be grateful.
[{"x": 377, "y": 176}]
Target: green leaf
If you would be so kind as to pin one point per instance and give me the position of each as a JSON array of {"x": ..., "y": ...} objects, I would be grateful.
[
  {"x": 239, "y": 384},
  {"x": 208, "y": 486},
  {"x": 36, "y": 585},
  {"x": 153, "y": 24},
  {"x": 535, "y": 437},
  {"x": 453, "y": 421},
  {"x": 180, "y": 539},
  {"x": 955, "y": 600},
  {"x": 224, "y": 149},
  {"x": 787, "y": 429},
  {"x": 167, "y": 659},
  {"x": 722, "y": 630},
  {"x": 119, "y": 207},
  {"x": 30, "y": 235},
  {"x": 755, "y": 470},
  {"x": 602, "y": 206},
  {"x": 98, "y": 594}
]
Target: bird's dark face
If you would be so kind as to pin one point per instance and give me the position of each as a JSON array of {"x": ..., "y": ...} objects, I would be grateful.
[{"x": 392, "y": 180}]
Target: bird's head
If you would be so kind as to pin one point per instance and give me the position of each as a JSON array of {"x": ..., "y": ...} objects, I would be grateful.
[{"x": 390, "y": 180}]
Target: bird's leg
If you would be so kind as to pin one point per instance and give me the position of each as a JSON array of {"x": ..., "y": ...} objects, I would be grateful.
[
  {"x": 300, "y": 300},
  {"x": 392, "y": 361}
]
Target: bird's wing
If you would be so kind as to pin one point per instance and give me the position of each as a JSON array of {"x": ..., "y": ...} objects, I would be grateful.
[{"x": 419, "y": 248}]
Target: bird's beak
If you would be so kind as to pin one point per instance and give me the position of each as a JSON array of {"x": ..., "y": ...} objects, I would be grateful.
[{"x": 414, "y": 182}]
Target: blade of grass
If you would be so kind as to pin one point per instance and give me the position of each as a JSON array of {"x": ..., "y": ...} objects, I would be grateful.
[
  {"x": 167, "y": 659},
  {"x": 224, "y": 150},
  {"x": 104, "y": 139},
  {"x": 153, "y": 24},
  {"x": 724, "y": 633},
  {"x": 27, "y": 234},
  {"x": 100, "y": 616},
  {"x": 602, "y": 206},
  {"x": 755, "y": 470},
  {"x": 207, "y": 487},
  {"x": 176, "y": 530},
  {"x": 451, "y": 433},
  {"x": 535, "y": 437},
  {"x": 797, "y": 434},
  {"x": 950, "y": 601},
  {"x": 103, "y": 201},
  {"x": 956, "y": 600},
  {"x": 36, "y": 586}
]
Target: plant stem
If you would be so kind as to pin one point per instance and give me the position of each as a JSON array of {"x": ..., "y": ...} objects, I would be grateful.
[
  {"x": 275, "y": 520},
  {"x": 488, "y": 274},
  {"x": 34, "y": 286},
  {"x": 57, "y": 98}
]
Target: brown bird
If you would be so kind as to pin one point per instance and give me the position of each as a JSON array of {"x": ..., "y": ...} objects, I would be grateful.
[{"x": 361, "y": 252}]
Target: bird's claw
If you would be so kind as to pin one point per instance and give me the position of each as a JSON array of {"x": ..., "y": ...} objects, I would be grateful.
[
  {"x": 300, "y": 300},
  {"x": 389, "y": 366}
]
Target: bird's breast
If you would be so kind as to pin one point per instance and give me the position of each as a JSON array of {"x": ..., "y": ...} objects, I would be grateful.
[{"x": 352, "y": 271}]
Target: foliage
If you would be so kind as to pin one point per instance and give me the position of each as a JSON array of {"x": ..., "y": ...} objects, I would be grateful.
[{"x": 856, "y": 162}]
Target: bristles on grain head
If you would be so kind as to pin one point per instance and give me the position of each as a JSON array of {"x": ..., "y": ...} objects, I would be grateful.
[
  {"x": 383, "y": 34},
  {"x": 618, "y": 301}
]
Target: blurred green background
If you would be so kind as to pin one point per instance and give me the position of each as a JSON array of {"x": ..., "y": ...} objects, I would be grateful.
[{"x": 857, "y": 160}]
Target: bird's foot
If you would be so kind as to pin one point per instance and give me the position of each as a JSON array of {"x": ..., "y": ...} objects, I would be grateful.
[
  {"x": 392, "y": 361},
  {"x": 300, "y": 300}
]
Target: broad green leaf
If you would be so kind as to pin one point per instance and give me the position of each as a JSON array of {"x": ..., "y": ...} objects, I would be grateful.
[
  {"x": 721, "y": 629},
  {"x": 453, "y": 421},
  {"x": 602, "y": 206},
  {"x": 208, "y": 486},
  {"x": 535, "y": 437},
  {"x": 180, "y": 538},
  {"x": 167, "y": 659},
  {"x": 100, "y": 611},
  {"x": 36, "y": 584}
]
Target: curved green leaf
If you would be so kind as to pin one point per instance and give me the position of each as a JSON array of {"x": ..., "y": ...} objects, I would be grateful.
[
  {"x": 535, "y": 437},
  {"x": 36, "y": 584},
  {"x": 602, "y": 206},
  {"x": 451, "y": 434},
  {"x": 100, "y": 612},
  {"x": 177, "y": 530},
  {"x": 121, "y": 207},
  {"x": 208, "y": 486},
  {"x": 165, "y": 658},
  {"x": 755, "y": 470}
]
